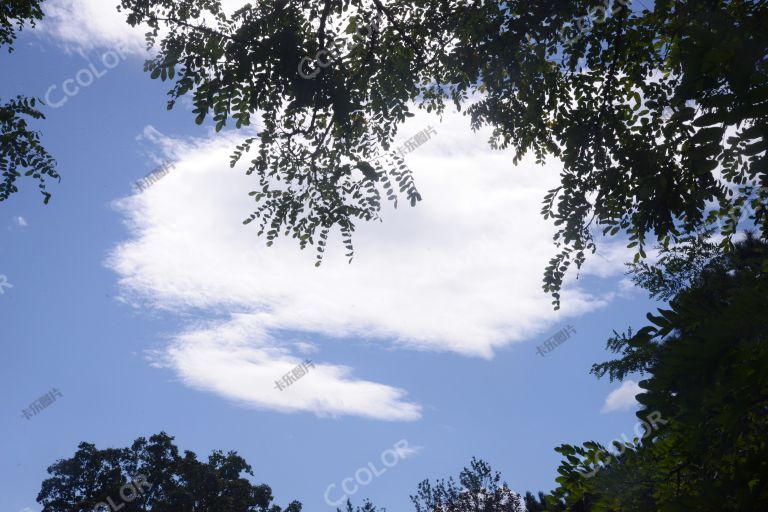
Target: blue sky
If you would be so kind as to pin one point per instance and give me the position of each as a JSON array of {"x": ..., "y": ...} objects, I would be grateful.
[{"x": 160, "y": 311}]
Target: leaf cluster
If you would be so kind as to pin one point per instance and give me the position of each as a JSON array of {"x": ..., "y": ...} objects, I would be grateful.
[
  {"x": 178, "y": 481},
  {"x": 658, "y": 115},
  {"x": 14, "y": 14},
  {"x": 706, "y": 361},
  {"x": 21, "y": 152}
]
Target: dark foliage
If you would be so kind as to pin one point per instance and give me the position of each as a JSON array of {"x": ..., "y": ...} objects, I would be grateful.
[
  {"x": 643, "y": 107},
  {"x": 21, "y": 152},
  {"x": 174, "y": 482},
  {"x": 706, "y": 361}
]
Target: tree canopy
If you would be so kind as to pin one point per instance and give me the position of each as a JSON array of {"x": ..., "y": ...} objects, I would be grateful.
[
  {"x": 94, "y": 479},
  {"x": 14, "y": 14},
  {"x": 706, "y": 362},
  {"x": 658, "y": 115},
  {"x": 21, "y": 152},
  {"x": 479, "y": 489}
]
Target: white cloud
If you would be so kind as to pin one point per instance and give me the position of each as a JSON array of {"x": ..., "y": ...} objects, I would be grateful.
[
  {"x": 607, "y": 259},
  {"x": 239, "y": 360},
  {"x": 622, "y": 398},
  {"x": 86, "y": 24},
  {"x": 21, "y": 221},
  {"x": 461, "y": 272},
  {"x": 306, "y": 348},
  {"x": 627, "y": 288}
]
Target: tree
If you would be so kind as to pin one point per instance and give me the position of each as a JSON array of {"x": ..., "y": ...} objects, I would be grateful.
[
  {"x": 536, "y": 503},
  {"x": 643, "y": 108},
  {"x": 20, "y": 147},
  {"x": 151, "y": 475},
  {"x": 704, "y": 406},
  {"x": 706, "y": 358},
  {"x": 479, "y": 489},
  {"x": 14, "y": 14},
  {"x": 366, "y": 507}
]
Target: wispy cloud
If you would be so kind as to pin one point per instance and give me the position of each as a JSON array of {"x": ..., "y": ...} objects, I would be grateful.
[
  {"x": 306, "y": 348},
  {"x": 71, "y": 22},
  {"x": 622, "y": 398},
  {"x": 239, "y": 360},
  {"x": 404, "y": 451},
  {"x": 21, "y": 221}
]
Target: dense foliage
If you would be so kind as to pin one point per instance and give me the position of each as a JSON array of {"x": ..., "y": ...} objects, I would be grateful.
[
  {"x": 706, "y": 361},
  {"x": 479, "y": 489},
  {"x": 14, "y": 14},
  {"x": 169, "y": 482},
  {"x": 21, "y": 152},
  {"x": 655, "y": 114}
]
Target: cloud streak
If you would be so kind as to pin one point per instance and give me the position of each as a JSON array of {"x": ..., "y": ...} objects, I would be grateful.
[{"x": 237, "y": 359}]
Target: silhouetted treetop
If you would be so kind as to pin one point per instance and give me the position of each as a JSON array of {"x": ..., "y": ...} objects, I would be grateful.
[{"x": 162, "y": 479}]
